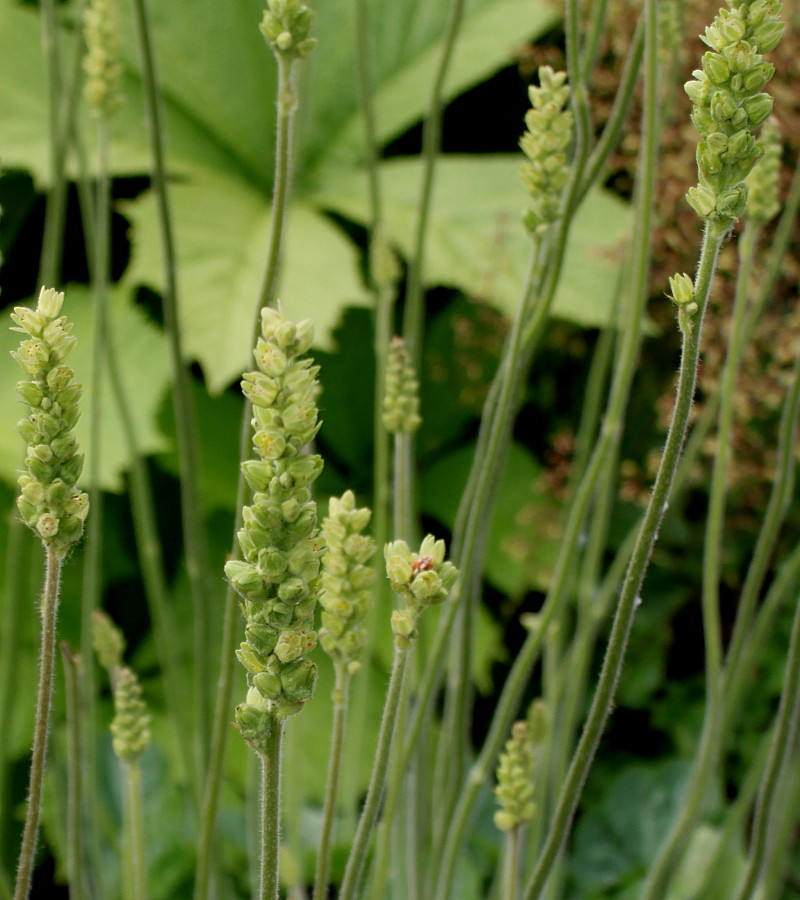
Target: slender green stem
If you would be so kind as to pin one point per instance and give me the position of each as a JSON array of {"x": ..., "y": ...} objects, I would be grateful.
[
  {"x": 192, "y": 517},
  {"x": 287, "y": 115},
  {"x": 134, "y": 831},
  {"x": 76, "y": 875},
  {"x": 774, "y": 871},
  {"x": 594, "y": 34},
  {"x": 513, "y": 845},
  {"x": 786, "y": 722},
  {"x": 629, "y": 596},
  {"x": 52, "y": 245},
  {"x": 431, "y": 145},
  {"x": 369, "y": 814},
  {"x": 30, "y": 832},
  {"x": 340, "y": 693},
  {"x": 706, "y": 757},
  {"x": 100, "y": 254},
  {"x": 282, "y": 185},
  {"x": 614, "y": 127},
  {"x": 271, "y": 813}
]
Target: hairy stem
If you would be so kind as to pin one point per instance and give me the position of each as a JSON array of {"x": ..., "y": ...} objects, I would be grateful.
[
  {"x": 271, "y": 813},
  {"x": 369, "y": 814},
  {"x": 30, "y": 832},
  {"x": 629, "y": 596}
]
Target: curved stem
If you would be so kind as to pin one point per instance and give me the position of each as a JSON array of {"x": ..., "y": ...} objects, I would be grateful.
[
  {"x": 340, "y": 694},
  {"x": 271, "y": 813},
  {"x": 192, "y": 517},
  {"x": 369, "y": 814},
  {"x": 431, "y": 145},
  {"x": 30, "y": 832},
  {"x": 134, "y": 830},
  {"x": 675, "y": 843},
  {"x": 629, "y": 596}
]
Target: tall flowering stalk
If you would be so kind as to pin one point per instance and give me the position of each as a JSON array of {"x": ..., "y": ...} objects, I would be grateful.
[
  {"x": 346, "y": 599},
  {"x": 50, "y": 504},
  {"x": 420, "y": 580},
  {"x": 278, "y": 578}
]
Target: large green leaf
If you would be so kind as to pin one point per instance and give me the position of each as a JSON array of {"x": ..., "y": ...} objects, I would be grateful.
[
  {"x": 142, "y": 359},
  {"x": 223, "y": 226},
  {"x": 406, "y": 45},
  {"x": 476, "y": 239}
]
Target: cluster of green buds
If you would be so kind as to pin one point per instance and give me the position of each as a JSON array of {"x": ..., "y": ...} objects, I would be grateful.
[
  {"x": 546, "y": 143},
  {"x": 516, "y": 770},
  {"x": 50, "y": 503},
  {"x": 278, "y": 579},
  {"x": 346, "y": 579},
  {"x": 108, "y": 642},
  {"x": 420, "y": 579},
  {"x": 101, "y": 63},
  {"x": 401, "y": 396},
  {"x": 286, "y": 26},
  {"x": 763, "y": 181},
  {"x": 130, "y": 730},
  {"x": 728, "y": 104}
]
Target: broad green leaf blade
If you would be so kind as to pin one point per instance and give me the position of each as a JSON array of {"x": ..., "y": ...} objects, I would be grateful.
[
  {"x": 23, "y": 95},
  {"x": 406, "y": 42},
  {"x": 222, "y": 226},
  {"x": 476, "y": 239},
  {"x": 142, "y": 358}
]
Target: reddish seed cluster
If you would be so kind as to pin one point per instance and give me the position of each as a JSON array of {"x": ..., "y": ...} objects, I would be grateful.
[{"x": 423, "y": 564}]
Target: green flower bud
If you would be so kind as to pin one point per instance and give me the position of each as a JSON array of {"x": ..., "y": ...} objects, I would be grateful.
[
  {"x": 515, "y": 780},
  {"x": 763, "y": 182},
  {"x": 285, "y": 27},
  {"x": 108, "y": 642},
  {"x": 346, "y": 579},
  {"x": 101, "y": 63},
  {"x": 131, "y": 734},
  {"x": 401, "y": 391},
  {"x": 53, "y": 463},
  {"x": 279, "y": 538}
]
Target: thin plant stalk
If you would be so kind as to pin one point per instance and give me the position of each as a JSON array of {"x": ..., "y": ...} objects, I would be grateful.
[
  {"x": 403, "y": 527},
  {"x": 192, "y": 517},
  {"x": 514, "y": 686},
  {"x": 513, "y": 847},
  {"x": 629, "y": 596},
  {"x": 369, "y": 814},
  {"x": 778, "y": 860},
  {"x": 786, "y": 722},
  {"x": 431, "y": 144},
  {"x": 49, "y": 614},
  {"x": 286, "y": 123},
  {"x": 706, "y": 757},
  {"x": 270, "y": 813},
  {"x": 55, "y": 209},
  {"x": 100, "y": 254},
  {"x": 134, "y": 831},
  {"x": 76, "y": 875},
  {"x": 322, "y": 873}
]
